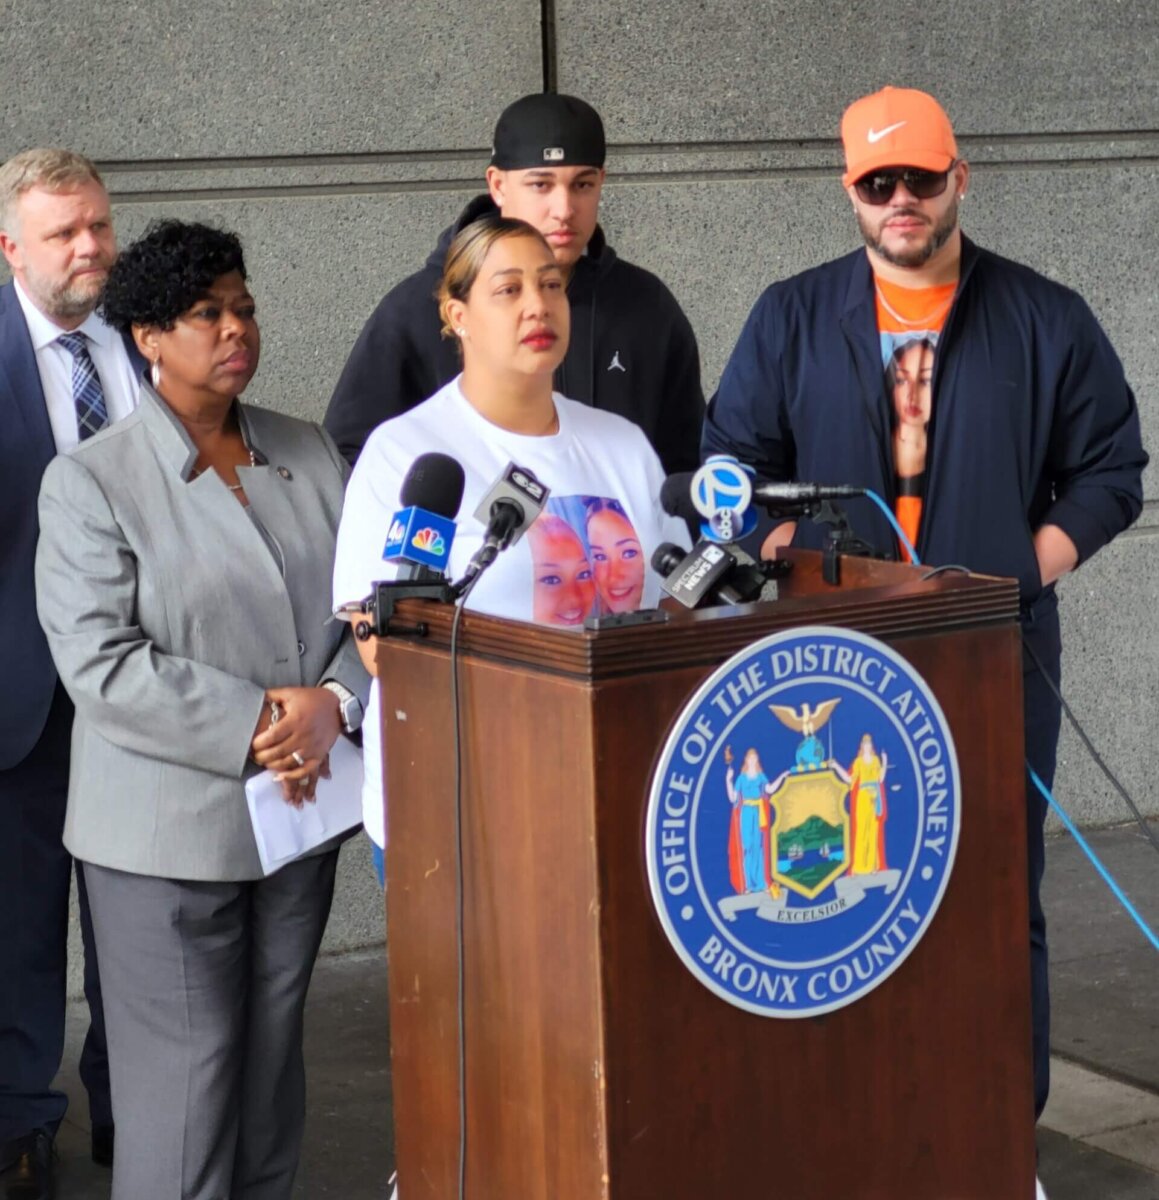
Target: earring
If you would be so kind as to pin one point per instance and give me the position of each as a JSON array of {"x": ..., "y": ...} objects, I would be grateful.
[
  {"x": 155, "y": 374},
  {"x": 460, "y": 331}
]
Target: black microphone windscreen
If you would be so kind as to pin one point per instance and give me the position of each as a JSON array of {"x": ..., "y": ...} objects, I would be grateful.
[
  {"x": 434, "y": 482},
  {"x": 666, "y": 558},
  {"x": 676, "y": 497}
]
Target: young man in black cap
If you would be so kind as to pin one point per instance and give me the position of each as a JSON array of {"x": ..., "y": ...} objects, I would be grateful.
[{"x": 632, "y": 349}]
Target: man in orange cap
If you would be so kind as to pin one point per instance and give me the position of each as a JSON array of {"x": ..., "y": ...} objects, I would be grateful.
[{"x": 982, "y": 400}]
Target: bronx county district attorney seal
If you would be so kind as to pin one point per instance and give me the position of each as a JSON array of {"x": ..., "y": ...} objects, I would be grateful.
[{"x": 803, "y": 821}]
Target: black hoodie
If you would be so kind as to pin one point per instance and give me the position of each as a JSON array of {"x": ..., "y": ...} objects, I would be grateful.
[{"x": 632, "y": 352}]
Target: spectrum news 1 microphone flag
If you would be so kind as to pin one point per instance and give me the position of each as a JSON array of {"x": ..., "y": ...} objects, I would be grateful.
[
  {"x": 423, "y": 530},
  {"x": 707, "y": 575}
]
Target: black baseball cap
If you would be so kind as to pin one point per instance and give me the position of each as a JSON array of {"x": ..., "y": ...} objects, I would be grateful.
[{"x": 547, "y": 129}]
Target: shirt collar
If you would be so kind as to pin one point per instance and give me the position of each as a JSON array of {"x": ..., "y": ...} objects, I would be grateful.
[
  {"x": 44, "y": 332},
  {"x": 173, "y": 439}
]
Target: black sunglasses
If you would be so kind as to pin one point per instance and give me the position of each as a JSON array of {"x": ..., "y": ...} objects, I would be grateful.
[{"x": 878, "y": 187}]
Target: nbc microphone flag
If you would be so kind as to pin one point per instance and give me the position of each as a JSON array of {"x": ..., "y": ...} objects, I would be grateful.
[{"x": 418, "y": 535}]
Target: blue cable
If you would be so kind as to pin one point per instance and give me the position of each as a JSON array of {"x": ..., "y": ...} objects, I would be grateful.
[
  {"x": 901, "y": 537},
  {"x": 1110, "y": 881},
  {"x": 1108, "y": 878}
]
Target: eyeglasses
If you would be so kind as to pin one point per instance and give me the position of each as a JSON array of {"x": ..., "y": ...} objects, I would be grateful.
[{"x": 878, "y": 187}]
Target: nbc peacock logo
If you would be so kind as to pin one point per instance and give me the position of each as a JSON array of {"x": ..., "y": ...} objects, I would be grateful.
[{"x": 429, "y": 540}]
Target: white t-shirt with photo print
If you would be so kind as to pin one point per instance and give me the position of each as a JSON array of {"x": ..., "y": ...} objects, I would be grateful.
[{"x": 589, "y": 552}]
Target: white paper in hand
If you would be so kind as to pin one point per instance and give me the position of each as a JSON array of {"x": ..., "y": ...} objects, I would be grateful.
[{"x": 283, "y": 832}]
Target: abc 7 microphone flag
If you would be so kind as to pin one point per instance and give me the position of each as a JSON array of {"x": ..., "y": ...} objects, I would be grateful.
[{"x": 722, "y": 492}]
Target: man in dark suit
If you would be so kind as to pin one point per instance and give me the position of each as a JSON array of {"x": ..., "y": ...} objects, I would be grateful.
[{"x": 64, "y": 374}]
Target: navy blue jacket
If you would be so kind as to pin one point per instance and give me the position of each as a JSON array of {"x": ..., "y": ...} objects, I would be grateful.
[
  {"x": 1033, "y": 422},
  {"x": 26, "y": 448},
  {"x": 631, "y": 351}
]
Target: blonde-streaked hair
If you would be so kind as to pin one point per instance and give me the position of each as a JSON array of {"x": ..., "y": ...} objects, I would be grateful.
[
  {"x": 52, "y": 170},
  {"x": 466, "y": 254}
]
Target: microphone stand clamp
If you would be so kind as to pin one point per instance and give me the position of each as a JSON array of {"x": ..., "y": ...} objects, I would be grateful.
[
  {"x": 839, "y": 536},
  {"x": 839, "y": 539},
  {"x": 380, "y": 606}
]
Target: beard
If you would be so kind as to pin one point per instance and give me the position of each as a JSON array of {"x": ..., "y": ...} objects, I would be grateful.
[
  {"x": 915, "y": 256},
  {"x": 71, "y": 297}
]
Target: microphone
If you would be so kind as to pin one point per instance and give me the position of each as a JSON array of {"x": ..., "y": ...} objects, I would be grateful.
[
  {"x": 721, "y": 493},
  {"x": 508, "y": 510},
  {"x": 802, "y": 493},
  {"x": 422, "y": 531},
  {"x": 676, "y": 497},
  {"x": 710, "y": 574},
  {"x": 715, "y": 500}
]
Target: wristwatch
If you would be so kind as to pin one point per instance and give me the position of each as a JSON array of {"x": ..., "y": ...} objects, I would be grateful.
[{"x": 349, "y": 706}]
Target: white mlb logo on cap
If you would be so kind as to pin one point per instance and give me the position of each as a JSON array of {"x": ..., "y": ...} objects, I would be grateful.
[{"x": 553, "y": 154}]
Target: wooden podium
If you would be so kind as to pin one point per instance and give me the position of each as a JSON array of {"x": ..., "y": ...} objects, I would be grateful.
[{"x": 596, "y": 1064}]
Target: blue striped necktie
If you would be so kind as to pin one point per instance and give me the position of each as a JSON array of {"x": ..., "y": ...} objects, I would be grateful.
[{"x": 87, "y": 394}]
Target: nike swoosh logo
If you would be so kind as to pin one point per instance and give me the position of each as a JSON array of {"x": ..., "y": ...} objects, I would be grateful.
[{"x": 875, "y": 135}]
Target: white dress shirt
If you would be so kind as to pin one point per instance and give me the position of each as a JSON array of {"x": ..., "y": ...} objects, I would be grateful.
[{"x": 54, "y": 362}]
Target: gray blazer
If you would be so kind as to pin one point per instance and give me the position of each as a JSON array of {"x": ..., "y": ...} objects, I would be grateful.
[{"x": 167, "y": 617}]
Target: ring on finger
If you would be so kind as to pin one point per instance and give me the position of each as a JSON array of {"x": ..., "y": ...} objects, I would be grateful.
[{"x": 297, "y": 757}]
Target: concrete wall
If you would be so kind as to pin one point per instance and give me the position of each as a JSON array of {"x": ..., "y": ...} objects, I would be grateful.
[{"x": 339, "y": 139}]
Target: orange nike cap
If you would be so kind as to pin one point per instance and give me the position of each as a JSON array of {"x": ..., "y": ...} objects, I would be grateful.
[{"x": 896, "y": 127}]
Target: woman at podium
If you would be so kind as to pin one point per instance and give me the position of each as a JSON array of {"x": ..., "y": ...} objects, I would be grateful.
[{"x": 503, "y": 298}]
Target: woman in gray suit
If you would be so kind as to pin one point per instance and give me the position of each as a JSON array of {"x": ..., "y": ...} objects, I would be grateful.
[{"x": 182, "y": 580}]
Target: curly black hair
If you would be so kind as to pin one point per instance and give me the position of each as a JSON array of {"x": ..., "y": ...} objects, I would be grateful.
[{"x": 165, "y": 272}]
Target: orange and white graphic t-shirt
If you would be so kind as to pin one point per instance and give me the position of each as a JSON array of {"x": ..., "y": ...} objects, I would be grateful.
[{"x": 909, "y": 321}]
